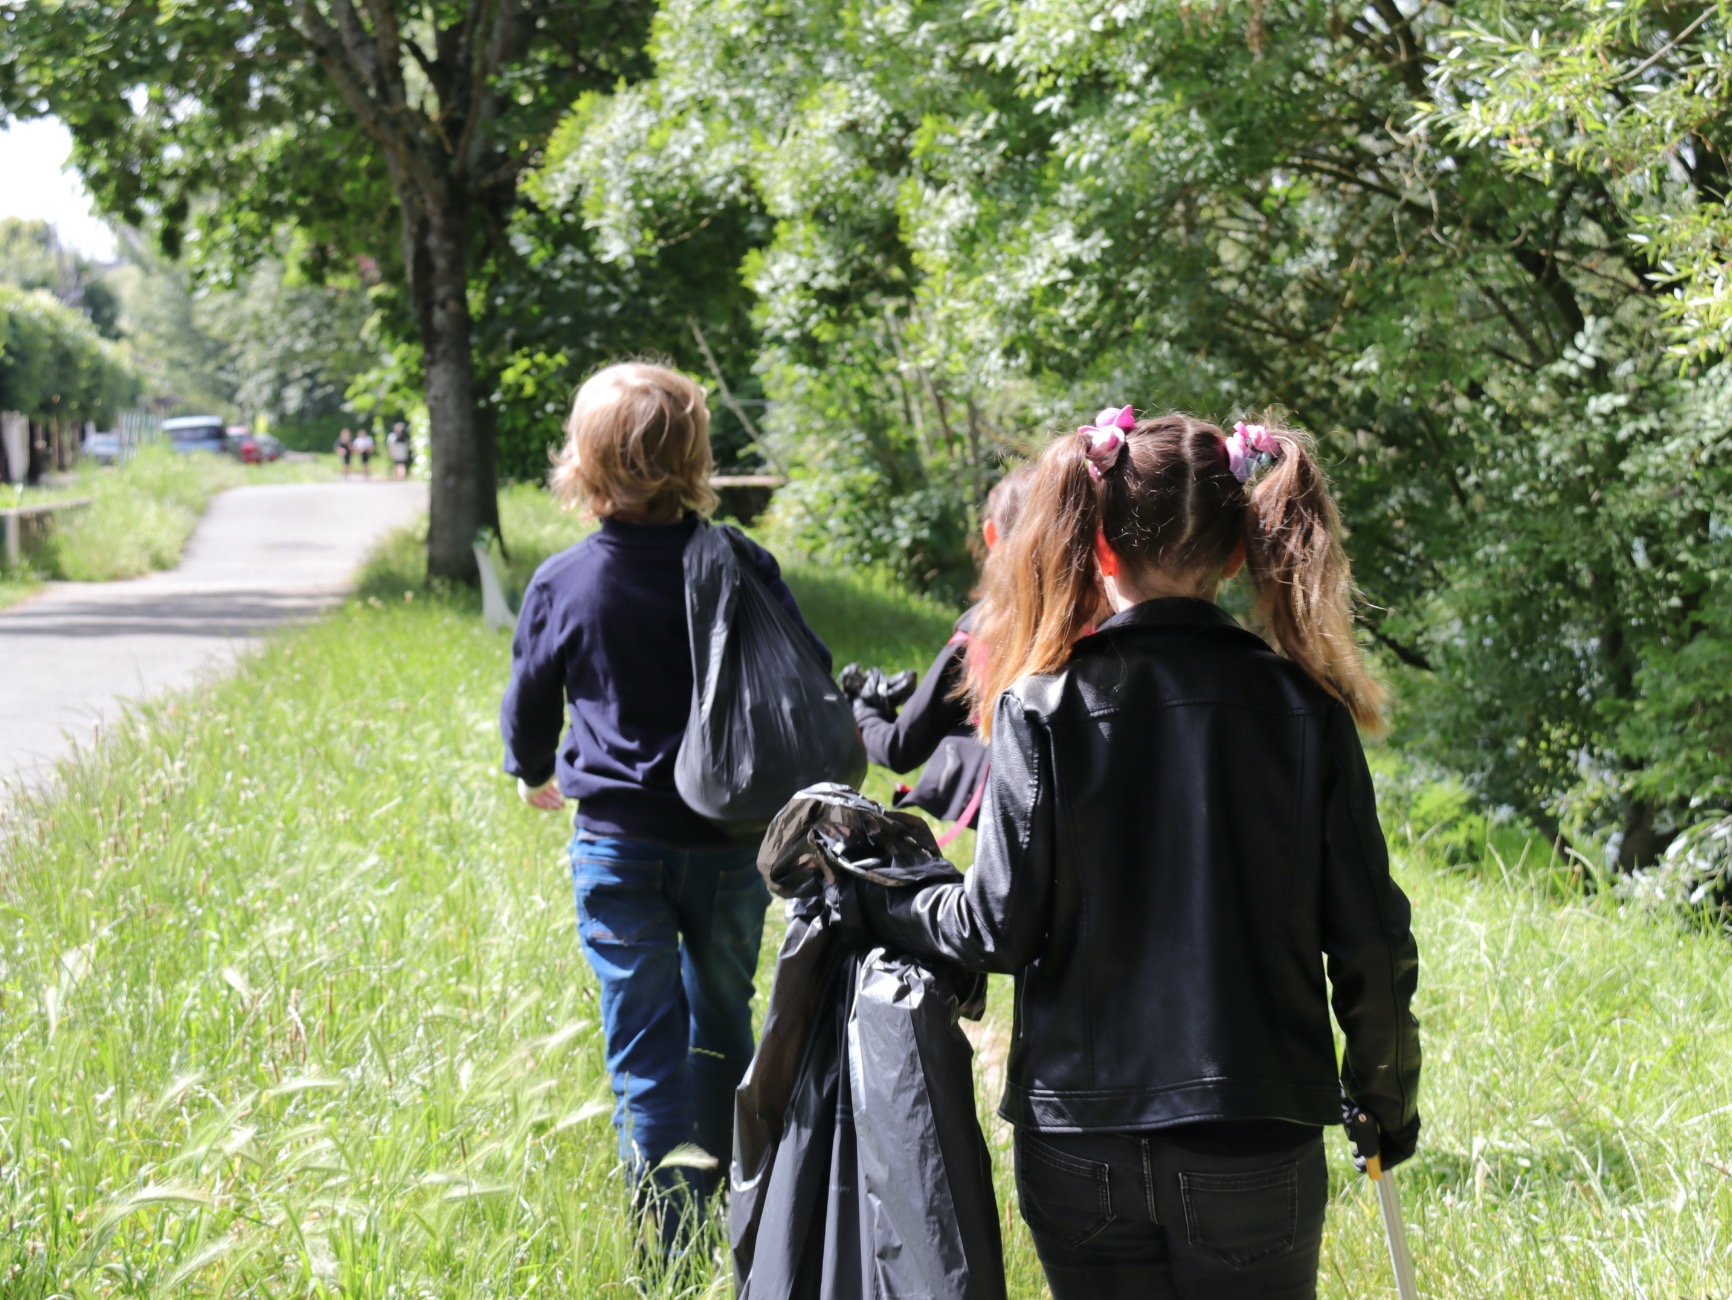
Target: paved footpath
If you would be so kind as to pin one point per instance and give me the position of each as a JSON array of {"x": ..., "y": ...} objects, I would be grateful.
[{"x": 262, "y": 557}]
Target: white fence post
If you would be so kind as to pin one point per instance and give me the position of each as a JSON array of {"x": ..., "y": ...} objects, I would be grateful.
[{"x": 15, "y": 429}]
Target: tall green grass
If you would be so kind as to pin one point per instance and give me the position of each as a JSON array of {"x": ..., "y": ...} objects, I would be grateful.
[
  {"x": 14, "y": 587},
  {"x": 141, "y": 516},
  {"x": 291, "y": 1003}
]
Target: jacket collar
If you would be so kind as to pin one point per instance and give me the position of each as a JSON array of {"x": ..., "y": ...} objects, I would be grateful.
[
  {"x": 1171, "y": 611},
  {"x": 672, "y": 536}
]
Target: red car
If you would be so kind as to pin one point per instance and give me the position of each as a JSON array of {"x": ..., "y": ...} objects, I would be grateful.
[{"x": 253, "y": 448}]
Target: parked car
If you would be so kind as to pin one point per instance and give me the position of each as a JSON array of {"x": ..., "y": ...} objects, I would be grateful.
[
  {"x": 196, "y": 433},
  {"x": 102, "y": 448},
  {"x": 254, "y": 448}
]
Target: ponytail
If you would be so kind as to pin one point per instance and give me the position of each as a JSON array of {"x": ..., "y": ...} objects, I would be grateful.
[
  {"x": 1302, "y": 581},
  {"x": 1171, "y": 493},
  {"x": 1042, "y": 589}
]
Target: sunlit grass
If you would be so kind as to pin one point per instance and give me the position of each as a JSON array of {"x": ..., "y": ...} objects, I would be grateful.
[
  {"x": 291, "y": 1001},
  {"x": 141, "y": 516},
  {"x": 15, "y": 587}
]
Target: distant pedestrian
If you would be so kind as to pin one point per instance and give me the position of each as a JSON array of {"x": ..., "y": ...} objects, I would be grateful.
[
  {"x": 364, "y": 449},
  {"x": 397, "y": 445},
  {"x": 345, "y": 447}
]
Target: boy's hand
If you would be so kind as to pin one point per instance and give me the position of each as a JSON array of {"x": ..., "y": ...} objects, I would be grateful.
[{"x": 545, "y": 797}]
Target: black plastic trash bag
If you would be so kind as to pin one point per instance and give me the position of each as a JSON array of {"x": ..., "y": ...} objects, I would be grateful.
[
  {"x": 766, "y": 719},
  {"x": 860, "y": 1172}
]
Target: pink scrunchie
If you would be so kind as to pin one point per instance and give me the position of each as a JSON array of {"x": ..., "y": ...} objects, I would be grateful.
[
  {"x": 1106, "y": 438},
  {"x": 1248, "y": 446}
]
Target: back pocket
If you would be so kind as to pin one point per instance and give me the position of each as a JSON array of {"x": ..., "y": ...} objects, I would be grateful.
[
  {"x": 622, "y": 904},
  {"x": 1242, "y": 1217},
  {"x": 1063, "y": 1197}
]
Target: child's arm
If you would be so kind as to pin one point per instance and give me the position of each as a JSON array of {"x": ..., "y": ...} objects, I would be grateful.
[
  {"x": 532, "y": 714},
  {"x": 996, "y": 920},
  {"x": 908, "y": 739},
  {"x": 1373, "y": 961}
]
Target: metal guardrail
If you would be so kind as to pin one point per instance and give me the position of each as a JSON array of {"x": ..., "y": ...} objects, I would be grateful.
[{"x": 12, "y": 523}]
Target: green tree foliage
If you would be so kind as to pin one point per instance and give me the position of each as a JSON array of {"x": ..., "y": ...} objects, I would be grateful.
[
  {"x": 271, "y": 342},
  {"x": 32, "y": 257},
  {"x": 1633, "y": 91},
  {"x": 178, "y": 349},
  {"x": 889, "y": 402},
  {"x": 990, "y": 218},
  {"x": 563, "y": 311},
  {"x": 395, "y": 129},
  {"x": 54, "y": 366},
  {"x": 296, "y": 346}
]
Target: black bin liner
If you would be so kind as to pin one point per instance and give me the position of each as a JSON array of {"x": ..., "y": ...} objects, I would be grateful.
[
  {"x": 860, "y": 1172},
  {"x": 766, "y": 718}
]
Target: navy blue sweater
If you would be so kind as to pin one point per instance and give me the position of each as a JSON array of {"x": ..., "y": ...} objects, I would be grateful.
[{"x": 603, "y": 629}]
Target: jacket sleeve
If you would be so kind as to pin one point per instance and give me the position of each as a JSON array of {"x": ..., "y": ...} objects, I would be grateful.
[
  {"x": 909, "y": 739},
  {"x": 532, "y": 714},
  {"x": 1373, "y": 963},
  {"x": 771, "y": 572},
  {"x": 996, "y": 919}
]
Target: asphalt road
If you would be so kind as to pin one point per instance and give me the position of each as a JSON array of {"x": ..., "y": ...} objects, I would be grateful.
[{"x": 72, "y": 655}]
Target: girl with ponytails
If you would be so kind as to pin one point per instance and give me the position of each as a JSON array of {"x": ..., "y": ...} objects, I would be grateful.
[{"x": 1179, "y": 846}]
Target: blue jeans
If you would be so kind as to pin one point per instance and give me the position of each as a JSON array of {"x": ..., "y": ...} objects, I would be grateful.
[{"x": 673, "y": 935}]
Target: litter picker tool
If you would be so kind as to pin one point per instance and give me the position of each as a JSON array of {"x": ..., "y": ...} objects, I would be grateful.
[{"x": 1389, "y": 1201}]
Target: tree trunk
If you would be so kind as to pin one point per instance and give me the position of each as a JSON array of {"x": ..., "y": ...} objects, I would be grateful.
[
  {"x": 1643, "y": 842},
  {"x": 463, "y": 497},
  {"x": 36, "y": 456},
  {"x": 977, "y": 498}
]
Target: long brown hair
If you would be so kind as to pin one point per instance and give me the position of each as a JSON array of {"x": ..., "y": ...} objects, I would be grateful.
[
  {"x": 1172, "y": 503},
  {"x": 1001, "y": 508}
]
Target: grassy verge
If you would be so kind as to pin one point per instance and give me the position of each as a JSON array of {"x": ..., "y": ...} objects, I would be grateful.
[
  {"x": 140, "y": 516},
  {"x": 14, "y": 587},
  {"x": 291, "y": 1002}
]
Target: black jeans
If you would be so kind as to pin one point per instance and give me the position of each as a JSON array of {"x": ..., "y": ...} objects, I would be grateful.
[{"x": 1137, "y": 1215}]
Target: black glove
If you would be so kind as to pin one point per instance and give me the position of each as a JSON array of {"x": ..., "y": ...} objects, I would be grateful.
[
  {"x": 851, "y": 679},
  {"x": 1368, "y": 1140},
  {"x": 884, "y": 694},
  {"x": 899, "y": 686}
]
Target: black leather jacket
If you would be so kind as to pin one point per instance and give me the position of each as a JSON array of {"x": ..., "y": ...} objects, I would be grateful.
[{"x": 1179, "y": 840}]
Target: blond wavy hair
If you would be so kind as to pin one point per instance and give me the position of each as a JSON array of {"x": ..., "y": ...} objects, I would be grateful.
[{"x": 637, "y": 442}]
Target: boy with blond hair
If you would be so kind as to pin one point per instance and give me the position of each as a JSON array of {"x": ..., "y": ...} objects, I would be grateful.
[{"x": 670, "y": 908}]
